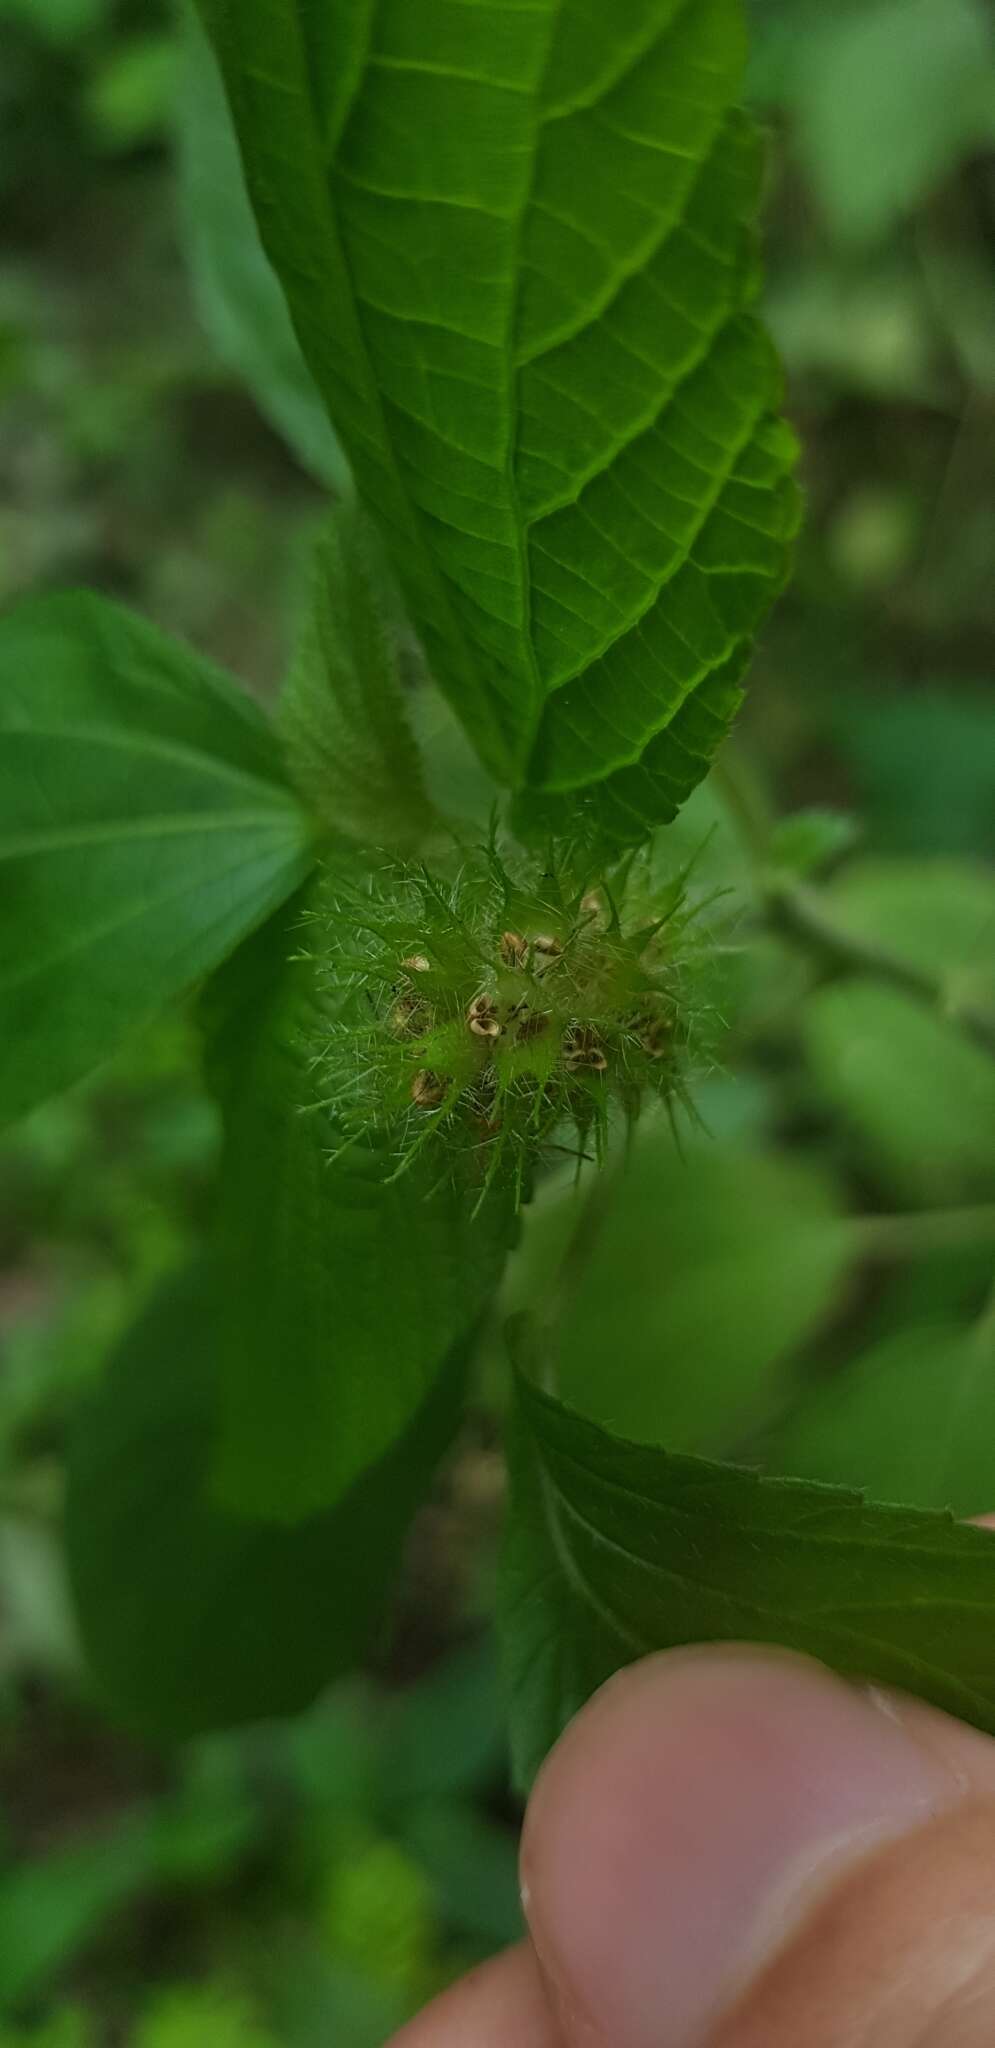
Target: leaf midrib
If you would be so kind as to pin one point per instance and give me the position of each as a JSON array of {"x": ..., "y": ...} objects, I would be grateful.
[
  {"x": 372, "y": 383},
  {"x": 516, "y": 364},
  {"x": 115, "y": 832},
  {"x": 129, "y": 914},
  {"x": 185, "y": 754},
  {"x": 836, "y": 1627}
]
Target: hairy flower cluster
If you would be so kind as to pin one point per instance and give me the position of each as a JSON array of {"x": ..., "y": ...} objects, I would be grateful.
[{"x": 499, "y": 1010}]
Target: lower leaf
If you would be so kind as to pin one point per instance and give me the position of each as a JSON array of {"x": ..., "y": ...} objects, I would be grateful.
[
  {"x": 344, "y": 1290},
  {"x": 195, "y": 1618},
  {"x": 617, "y": 1549}
]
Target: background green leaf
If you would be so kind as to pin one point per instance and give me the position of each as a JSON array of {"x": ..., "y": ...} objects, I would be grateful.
[
  {"x": 888, "y": 95},
  {"x": 517, "y": 251},
  {"x": 938, "y": 914},
  {"x": 193, "y": 1617},
  {"x": 924, "y": 764},
  {"x": 616, "y": 1549},
  {"x": 918, "y": 1096},
  {"x": 701, "y": 1275},
  {"x": 344, "y": 1292},
  {"x": 238, "y": 295},
  {"x": 147, "y": 826},
  {"x": 912, "y": 1419},
  {"x": 52, "y": 1908}
]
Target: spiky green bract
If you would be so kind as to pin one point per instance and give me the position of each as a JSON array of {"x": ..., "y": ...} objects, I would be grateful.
[{"x": 501, "y": 1007}]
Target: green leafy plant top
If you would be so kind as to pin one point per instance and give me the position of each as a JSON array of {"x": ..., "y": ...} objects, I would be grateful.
[
  {"x": 517, "y": 244},
  {"x": 515, "y": 241}
]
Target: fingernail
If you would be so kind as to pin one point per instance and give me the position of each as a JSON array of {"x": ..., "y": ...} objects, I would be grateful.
[{"x": 688, "y": 1820}]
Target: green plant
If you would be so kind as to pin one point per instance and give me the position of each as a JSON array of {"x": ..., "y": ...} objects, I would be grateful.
[{"x": 518, "y": 253}]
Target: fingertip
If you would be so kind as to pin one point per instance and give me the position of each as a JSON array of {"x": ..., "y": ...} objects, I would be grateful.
[
  {"x": 499, "y": 2005},
  {"x": 685, "y": 1814}
]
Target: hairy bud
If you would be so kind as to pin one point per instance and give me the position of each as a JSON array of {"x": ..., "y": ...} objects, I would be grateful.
[{"x": 496, "y": 1009}]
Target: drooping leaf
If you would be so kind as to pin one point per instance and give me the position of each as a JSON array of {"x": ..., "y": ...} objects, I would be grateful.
[
  {"x": 345, "y": 1290},
  {"x": 191, "y": 1616},
  {"x": 145, "y": 827},
  {"x": 616, "y": 1549},
  {"x": 237, "y": 292},
  {"x": 913, "y": 1419},
  {"x": 343, "y": 716},
  {"x": 703, "y": 1274},
  {"x": 516, "y": 243}
]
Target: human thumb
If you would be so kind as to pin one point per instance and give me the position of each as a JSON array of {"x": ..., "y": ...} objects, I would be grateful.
[{"x": 736, "y": 1850}]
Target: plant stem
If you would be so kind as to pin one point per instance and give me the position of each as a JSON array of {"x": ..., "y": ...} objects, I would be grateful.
[
  {"x": 928, "y": 1230},
  {"x": 800, "y": 913}
]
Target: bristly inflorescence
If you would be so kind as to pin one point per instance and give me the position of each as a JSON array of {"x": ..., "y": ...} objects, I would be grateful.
[{"x": 499, "y": 1010}]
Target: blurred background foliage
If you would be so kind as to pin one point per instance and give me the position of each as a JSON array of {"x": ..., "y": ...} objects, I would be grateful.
[{"x": 808, "y": 1286}]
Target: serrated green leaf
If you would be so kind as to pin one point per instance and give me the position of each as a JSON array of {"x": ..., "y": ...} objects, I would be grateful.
[
  {"x": 913, "y": 1419},
  {"x": 345, "y": 1289},
  {"x": 617, "y": 1549},
  {"x": 342, "y": 714},
  {"x": 145, "y": 827},
  {"x": 238, "y": 294},
  {"x": 193, "y": 1617},
  {"x": 516, "y": 243}
]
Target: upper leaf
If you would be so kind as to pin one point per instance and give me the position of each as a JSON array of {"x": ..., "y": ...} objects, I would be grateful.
[
  {"x": 145, "y": 827},
  {"x": 617, "y": 1549},
  {"x": 515, "y": 242}
]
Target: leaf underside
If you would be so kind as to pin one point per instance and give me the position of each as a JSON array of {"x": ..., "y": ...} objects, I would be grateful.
[
  {"x": 343, "y": 1290},
  {"x": 516, "y": 244},
  {"x": 615, "y": 1550},
  {"x": 342, "y": 711}
]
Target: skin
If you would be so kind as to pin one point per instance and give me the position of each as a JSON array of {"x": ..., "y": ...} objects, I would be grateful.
[{"x": 734, "y": 1849}]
